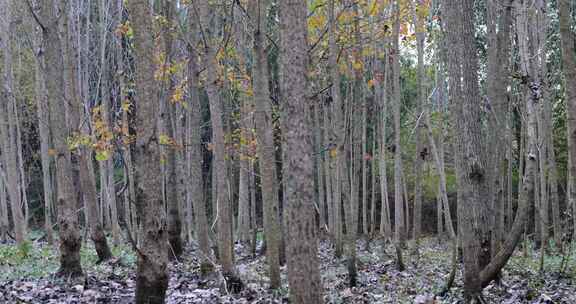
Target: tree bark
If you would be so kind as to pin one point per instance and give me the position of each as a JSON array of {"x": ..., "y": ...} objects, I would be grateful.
[
  {"x": 8, "y": 128},
  {"x": 399, "y": 224},
  {"x": 66, "y": 198},
  {"x": 266, "y": 147},
  {"x": 301, "y": 252},
  {"x": 224, "y": 206},
  {"x": 195, "y": 156},
  {"x": 339, "y": 129},
  {"x": 152, "y": 270},
  {"x": 569, "y": 70}
]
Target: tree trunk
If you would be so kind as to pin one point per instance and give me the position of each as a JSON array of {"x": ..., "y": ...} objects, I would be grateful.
[
  {"x": 421, "y": 93},
  {"x": 339, "y": 130},
  {"x": 152, "y": 270},
  {"x": 398, "y": 188},
  {"x": 4, "y": 223},
  {"x": 301, "y": 252},
  {"x": 266, "y": 147},
  {"x": 469, "y": 167},
  {"x": 224, "y": 206},
  {"x": 67, "y": 199},
  {"x": 44, "y": 130},
  {"x": 195, "y": 157},
  {"x": 8, "y": 127},
  {"x": 531, "y": 81},
  {"x": 569, "y": 70}
]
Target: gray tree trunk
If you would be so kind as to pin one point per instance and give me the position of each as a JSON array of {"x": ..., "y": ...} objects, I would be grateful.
[
  {"x": 152, "y": 265},
  {"x": 301, "y": 252}
]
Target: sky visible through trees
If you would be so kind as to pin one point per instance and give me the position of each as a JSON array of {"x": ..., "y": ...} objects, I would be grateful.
[{"x": 287, "y": 151}]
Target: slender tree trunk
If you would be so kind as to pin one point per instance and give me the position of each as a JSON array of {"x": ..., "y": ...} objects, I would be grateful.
[
  {"x": 385, "y": 225},
  {"x": 4, "y": 223},
  {"x": 419, "y": 157},
  {"x": 266, "y": 147},
  {"x": 44, "y": 130},
  {"x": 8, "y": 125},
  {"x": 328, "y": 168},
  {"x": 195, "y": 157},
  {"x": 82, "y": 155},
  {"x": 320, "y": 166},
  {"x": 339, "y": 130},
  {"x": 224, "y": 206},
  {"x": 399, "y": 227},
  {"x": 569, "y": 70}
]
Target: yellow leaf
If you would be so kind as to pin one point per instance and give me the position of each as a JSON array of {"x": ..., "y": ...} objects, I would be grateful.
[
  {"x": 371, "y": 83},
  {"x": 333, "y": 152},
  {"x": 102, "y": 155},
  {"x": 357, "y": 65}
]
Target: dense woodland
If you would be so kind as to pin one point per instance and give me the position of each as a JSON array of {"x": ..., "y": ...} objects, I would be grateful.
[{"x": 287, "y": 151}]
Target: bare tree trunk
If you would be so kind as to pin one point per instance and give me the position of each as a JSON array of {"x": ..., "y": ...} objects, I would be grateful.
[
  {"x": 224, "y": 206},
  {"x": 243, "y": 222},
  {"x": 4, "y": 223},
  {"x": 569, "y": 70},
  {"x": 385, "y": 225},
  {"x": 318, "y": 140},
  {"x": 152, "y": 270},
  {"x": 195, "y": 157},
  {"x": 266, "y": 147},
  {"x": 339, "y": 130},
  {"x": 531, "y": 81},
  {"x": 301, "y": 252},
  {"x": 82, "y": 155},
  {"x": 364, "y": 143},
  {"x": 470, "y": 170},
  {"x": 328, "y": 168},
  {"x": 418, "y": 158},
  {"x": 8, "y": 125},
  {"x": 44, "y": 130},
  {"x": 67, "y": 199},
  {"x": 399, "y": 227}
]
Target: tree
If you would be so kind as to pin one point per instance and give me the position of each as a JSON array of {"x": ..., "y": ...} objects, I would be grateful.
[
  {"x": 8, "y": 126},
  {"x": 462, "y": 71},
  {"x": 195, "y": 159},
  {"x": 224, "y": 205},
  {"x": 81, "y": 156},
  {"x": 66, "y": 197},
  {"x": 569, "y": 70},
  {"x": 266, "y": 148},
  {"x": 301, "y": 252},
  {"x": 398, "y": 202},
  {"x": 152, "y": 271}
]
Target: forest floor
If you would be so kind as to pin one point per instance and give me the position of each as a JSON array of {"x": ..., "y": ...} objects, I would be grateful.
[{"x": 26, "y": 276}]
